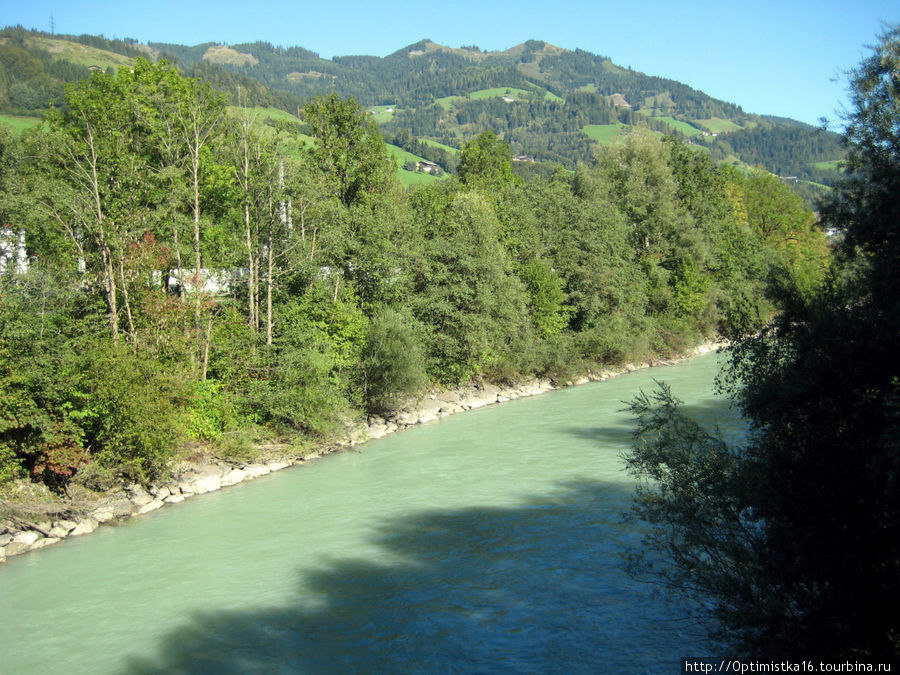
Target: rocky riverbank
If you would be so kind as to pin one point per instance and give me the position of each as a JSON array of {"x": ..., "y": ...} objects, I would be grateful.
[{"x": 26, "y": 532}]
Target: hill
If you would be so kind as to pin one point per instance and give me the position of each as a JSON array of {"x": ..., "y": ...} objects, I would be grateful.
[{"x": 551, "y": 104}]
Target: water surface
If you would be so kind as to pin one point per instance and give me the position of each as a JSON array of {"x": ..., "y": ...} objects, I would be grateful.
[{"x": 490, "y": 541}]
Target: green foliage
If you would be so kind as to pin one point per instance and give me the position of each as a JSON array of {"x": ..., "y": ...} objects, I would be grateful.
[
  {"x": 206, "y": 278},
  {"x": 485, "y": 162},
  {"x": 392, "y": 364},
  {"x": 545, "y": 297},
  {"x": 133, "y": 412},
  {"x": 466, "y": 293},
  {"x": 211, "y": 412},
  {"x": 793, "y": 536},
  {"x": 349, "y": 151}
]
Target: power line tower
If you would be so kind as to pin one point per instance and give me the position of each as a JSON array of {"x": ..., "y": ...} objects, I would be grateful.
[{"x": 52, "y": 26}]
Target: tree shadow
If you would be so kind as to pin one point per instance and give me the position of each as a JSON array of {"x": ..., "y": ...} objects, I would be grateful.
[
  {"x": 711, "y": 413},
  {"x": 539, "y": 587}
]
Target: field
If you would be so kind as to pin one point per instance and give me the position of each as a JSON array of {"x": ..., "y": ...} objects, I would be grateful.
[
  {"x": 79, "y": 53},
  {"x": 262, "y": 114},
  {"x": 716, "y": 125},
  {"x": 834, "y": 165},
  {"x": 435, "y": 144},
  {"x": 680, "y": 126},
  {"x": 19, "y": 124},
  {"x": 604, "y": 134},
  {"x": 447, "y": 102},
  {"x": 382, "y": 113},
  {"x": 408, "y": 178}
]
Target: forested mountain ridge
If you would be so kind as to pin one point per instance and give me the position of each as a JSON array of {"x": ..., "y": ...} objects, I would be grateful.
[
  {"x": 172, "y": 272},
  {"x": 551, "y": 104}
]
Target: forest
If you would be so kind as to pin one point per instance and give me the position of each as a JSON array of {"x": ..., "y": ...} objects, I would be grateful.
[
  {"x": 790, "y": 534},
  {"x": 437, "y": 95},
  {"x": 198, "y": 282}
]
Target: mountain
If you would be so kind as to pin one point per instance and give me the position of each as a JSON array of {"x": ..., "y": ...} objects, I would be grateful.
[{"x": 552, "y": 105}]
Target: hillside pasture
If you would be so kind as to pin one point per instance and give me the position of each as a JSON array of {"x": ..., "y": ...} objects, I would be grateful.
[
  {"x": 717, "y": 125},
  {"x": 436, "y": 144},
  {"x": 382, "y": 113},
  {"x": 605, "y": 134},
  {"x": 408, "y": 178},
  {"x": 680, "y": 126},
  {"x": 833, "y": 165},
  {"x": 78, "y": 53},
  {"x": 18, "y": 123}
]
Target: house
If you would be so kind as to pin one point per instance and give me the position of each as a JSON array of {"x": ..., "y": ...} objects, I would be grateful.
[{"x": 428, "y": 167}]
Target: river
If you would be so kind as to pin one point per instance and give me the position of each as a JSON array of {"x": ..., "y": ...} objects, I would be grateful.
[{"x": 489, "y": 541}]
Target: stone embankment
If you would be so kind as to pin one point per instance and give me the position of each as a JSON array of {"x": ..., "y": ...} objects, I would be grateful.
[{"x": 19, "y": 535}]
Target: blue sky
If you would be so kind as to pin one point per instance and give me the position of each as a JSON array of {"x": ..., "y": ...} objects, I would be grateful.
[{"x": 781, "y": 58}]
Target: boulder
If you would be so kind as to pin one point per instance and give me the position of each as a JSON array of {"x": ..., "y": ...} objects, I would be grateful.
[
  {"x": 161, "y": 492},
  {"x": 407, "y": 418},
  {"x": 58, "y": 532},
  {"x": 175, "y": 498},
  {"x": 278, "y": 466},
  {"x": 257, "y": 470},
  {"x": 5, "y": 539},
  {"x": 121, "y": 506},
  {"x": 67, "y": 525},
  {"x": 16, "y": 548},
  {"x": 377, "y": 430},
  {"x": 46, "y": 541},
  {"x": 233, "y": 477},
  {"x": 28, "y": 537},
  {"x": 208, "y": 483},
  {"x": 150, "y": 506},
  {"x": 139, "y": 496},
  {"x": 103, "y": 514},
  {"x": 86, "y": 526}
]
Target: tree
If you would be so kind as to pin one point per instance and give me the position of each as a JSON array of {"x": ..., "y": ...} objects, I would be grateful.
[
  {"x": 486, "y": 162},
  {"x": 795, "y": 536},
  {"x": 349, "y": 150}
]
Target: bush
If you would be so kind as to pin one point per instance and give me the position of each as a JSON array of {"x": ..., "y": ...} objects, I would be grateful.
[{"x": 393, "y": 363}]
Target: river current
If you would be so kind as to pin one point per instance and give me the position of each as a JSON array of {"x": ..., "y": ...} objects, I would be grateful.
[{"x": 488, "y": 542}]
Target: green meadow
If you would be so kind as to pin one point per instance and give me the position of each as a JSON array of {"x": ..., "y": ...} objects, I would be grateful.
[
  {"x": 604, "y": 134},
  {"x": 18, "y": 123}
]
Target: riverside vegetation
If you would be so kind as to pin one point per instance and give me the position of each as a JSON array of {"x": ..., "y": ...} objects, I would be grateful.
[
  {"x": 200, "y": 285},
  {"x": 793, "y": 536}
]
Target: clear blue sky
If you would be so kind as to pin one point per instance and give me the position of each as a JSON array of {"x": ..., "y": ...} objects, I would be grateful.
[{"x": 778, "y": 58}]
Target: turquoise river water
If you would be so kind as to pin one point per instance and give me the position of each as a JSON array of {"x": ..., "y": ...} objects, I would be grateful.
[{"x": 487, "y": 542}]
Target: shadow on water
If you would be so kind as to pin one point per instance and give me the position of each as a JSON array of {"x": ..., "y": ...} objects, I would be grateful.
[
  {"x": 537, "y": 587},
  {"x": 712, "y": 414}
]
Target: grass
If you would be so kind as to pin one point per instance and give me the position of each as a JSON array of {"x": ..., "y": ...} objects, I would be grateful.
[
  {"x": 448, "y": 102},
  {"x": 497, "y": 92},
  {"x": 19, "y": 123},
  {"x": 408, "y": 178},
  {"x": 680, "y": 126},
  {"x": 604, "y": 134},
  {"x": 717, "y": 125},
  {"x": 382, "y": 113},
  {"x": 79, "y": 53},
  {"x": 833, "y": 165},
  {"x": 260, "y": 114},
  {"x": 436, "y": 144}
]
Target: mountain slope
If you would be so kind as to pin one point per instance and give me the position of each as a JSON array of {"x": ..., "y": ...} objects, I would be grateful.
[{"x": 550, "y": 103}]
